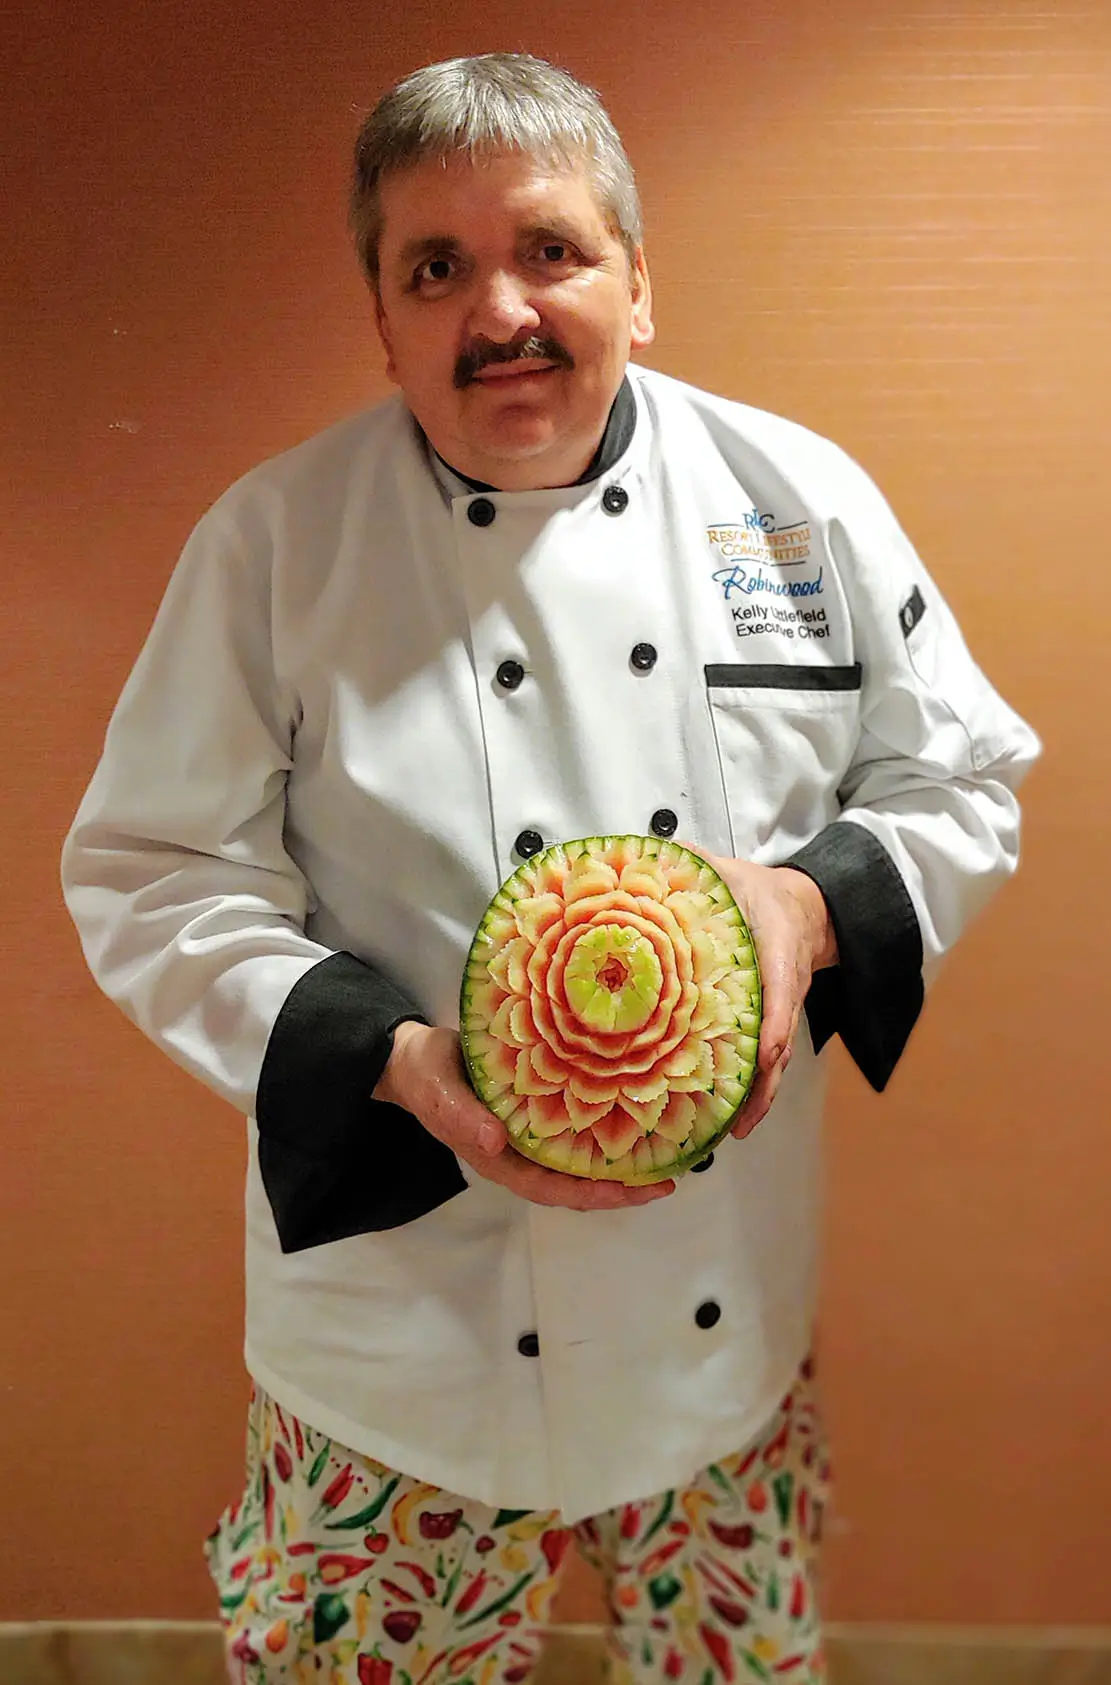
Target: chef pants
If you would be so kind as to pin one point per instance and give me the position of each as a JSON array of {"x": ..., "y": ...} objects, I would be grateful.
[{"x": 337, "y": 1570}]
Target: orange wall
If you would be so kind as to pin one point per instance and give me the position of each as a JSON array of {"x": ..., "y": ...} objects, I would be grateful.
[{"x": 888, "y": 220}]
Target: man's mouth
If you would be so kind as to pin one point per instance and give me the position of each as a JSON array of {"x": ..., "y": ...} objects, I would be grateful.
[
  {"x": 494, "y": 365},
  {"x": 495, "y": 374}
]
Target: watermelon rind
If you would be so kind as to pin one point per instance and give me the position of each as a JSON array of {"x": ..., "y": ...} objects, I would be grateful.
[{"x": 669, "y": 914}]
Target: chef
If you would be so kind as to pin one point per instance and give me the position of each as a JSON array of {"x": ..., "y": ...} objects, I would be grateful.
[{"x": 543, "y": 593}]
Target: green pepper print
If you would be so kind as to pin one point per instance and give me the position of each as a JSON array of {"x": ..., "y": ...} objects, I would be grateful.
[
  {"x": 665, "y": 1510},
  {"x": 371, "y": 1513},
  {"x": 320, "y": 1464},
  {"x": 663, "y": 1590},
  {"x": 501, "y": 1602},
  {"x": 329, "y": 1614},
  {"x": 783, "y": 1486}
]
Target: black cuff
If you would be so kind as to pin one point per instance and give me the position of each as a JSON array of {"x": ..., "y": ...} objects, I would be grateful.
[
  {"x": 873, "y": 996},
  {"x": 334, "y": 1161}
]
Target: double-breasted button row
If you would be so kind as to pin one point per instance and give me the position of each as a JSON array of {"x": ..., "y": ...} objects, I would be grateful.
[
  {"x": 663, "y": 823},
  {"x": 481, "y": 512},
  {"x": 642, "y": 658},
  {"x": 707, "y": 1315}
]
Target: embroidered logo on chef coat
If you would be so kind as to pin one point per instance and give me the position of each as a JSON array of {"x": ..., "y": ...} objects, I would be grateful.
[{"x": 761, "y": 568}]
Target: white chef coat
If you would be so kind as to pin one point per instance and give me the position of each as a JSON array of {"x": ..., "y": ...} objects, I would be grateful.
[{"x": 314, "y": 755}]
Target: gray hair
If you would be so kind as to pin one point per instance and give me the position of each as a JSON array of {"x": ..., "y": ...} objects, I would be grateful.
[{"x": 496, "y": 102}]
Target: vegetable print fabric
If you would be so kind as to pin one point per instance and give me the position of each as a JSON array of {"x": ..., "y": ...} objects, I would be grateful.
[{"x": 337, "y": 1570}]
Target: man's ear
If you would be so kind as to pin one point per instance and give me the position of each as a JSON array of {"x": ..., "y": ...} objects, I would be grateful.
[
  {"x": 643, "y": 330},
  {"x": 384, "y": 335}
]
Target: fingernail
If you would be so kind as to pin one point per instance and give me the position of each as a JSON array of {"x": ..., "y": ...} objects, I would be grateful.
[
  {"x": 490, "y": 1140},
  {"x": 786, "y": 1059}
]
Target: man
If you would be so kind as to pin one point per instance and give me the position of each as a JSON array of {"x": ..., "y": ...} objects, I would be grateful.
[{"x": 544, "y": 594}]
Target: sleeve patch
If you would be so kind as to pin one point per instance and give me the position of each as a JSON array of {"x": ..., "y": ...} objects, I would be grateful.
[{"x": 911, "y": 612}]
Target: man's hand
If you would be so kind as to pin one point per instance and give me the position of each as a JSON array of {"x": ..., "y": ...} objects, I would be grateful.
[
  {"x": 790, "y": 924},
  {"x": 425, "y": 1075}
]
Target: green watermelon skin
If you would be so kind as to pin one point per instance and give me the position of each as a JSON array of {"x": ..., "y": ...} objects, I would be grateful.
[{"x": 610, "y": 1009}]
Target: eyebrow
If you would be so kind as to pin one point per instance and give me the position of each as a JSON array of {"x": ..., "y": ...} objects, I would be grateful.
[{"x": 413, "y": 250}]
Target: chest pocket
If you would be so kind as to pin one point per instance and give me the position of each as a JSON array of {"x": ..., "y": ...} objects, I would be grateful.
[{"x": 785, "y": 735}]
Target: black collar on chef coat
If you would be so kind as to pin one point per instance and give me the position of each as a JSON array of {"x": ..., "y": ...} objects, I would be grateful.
[{"x": 614, "y": 443}]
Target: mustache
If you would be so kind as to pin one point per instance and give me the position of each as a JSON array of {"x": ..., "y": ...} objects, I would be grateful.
[{"x": 481, "y": 356}]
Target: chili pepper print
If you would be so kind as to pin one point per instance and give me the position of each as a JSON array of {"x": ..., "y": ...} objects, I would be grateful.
[
  {"x": 630, "y": 1521},
  {"x": 718, "y": 1648},
  {"x": 733, "y": 1614},
  {"x": 656, "y": 1559},
  {"x": 395, "y": 1590},
  {"x": 797, "y": 1606},
  {"x": 472, "y": 1594},
  {"x": 745, "y": 1587},
  {"x": 374, "y": 1669},
  {"x": 422, "y": 1576},
  {"x": 660, "y": 1517},
  {"x": 370, "y": 1512},
  {"x": 733, "y": 1538},
  {"x": 502, "y": 1602},
  {"x": 334, "y": 1493},
  {"x": 784, "y": 1486},
  {"x": 320, "y": 1463},
  {"x": 334, "y": 1568},
  {"x": 554, "y": 1543},
  {"x": 461, "y": 1660}
]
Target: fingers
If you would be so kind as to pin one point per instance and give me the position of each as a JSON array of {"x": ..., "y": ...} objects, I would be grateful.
[{"x": 533, "y": 1182}]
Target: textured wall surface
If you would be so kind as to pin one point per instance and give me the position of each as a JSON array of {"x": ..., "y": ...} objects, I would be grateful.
[{"x": 888, "y": 219}]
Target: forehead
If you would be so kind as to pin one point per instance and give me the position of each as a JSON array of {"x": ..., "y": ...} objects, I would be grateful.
[{"x": 461, "y": 193}]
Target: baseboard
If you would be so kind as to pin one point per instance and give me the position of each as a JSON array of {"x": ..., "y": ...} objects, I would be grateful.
[{"x": 189, "y": 1653}]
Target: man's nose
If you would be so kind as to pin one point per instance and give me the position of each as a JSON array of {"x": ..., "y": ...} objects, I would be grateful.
[{"x": 502, "y": 308}]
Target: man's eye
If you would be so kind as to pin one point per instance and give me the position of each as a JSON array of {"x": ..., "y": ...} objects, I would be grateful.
[
  {"x": 555, "y": 251},
  {"x": 435, "y": 269}
]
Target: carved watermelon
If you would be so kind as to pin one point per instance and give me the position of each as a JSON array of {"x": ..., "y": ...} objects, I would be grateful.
[{"x": 610, "y": 1008}]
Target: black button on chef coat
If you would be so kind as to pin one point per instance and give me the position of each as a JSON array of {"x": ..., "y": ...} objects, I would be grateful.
[
  {"x": 529, "y": 1345},
  {"x": 664, "y": 822},
  {"x": 528, "y": 843},
  {"x": 644, "y": 657},
  {"x": 510, "y": 674},
  {"x": 708, "y": 1312},
  {"x": 481, "y": 512},
  {"x": 703, "y": 1164},
  {"x": 615, "y": 500}
]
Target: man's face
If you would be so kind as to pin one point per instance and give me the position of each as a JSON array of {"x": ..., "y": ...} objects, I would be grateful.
[{"x": 508, "y": 310}]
